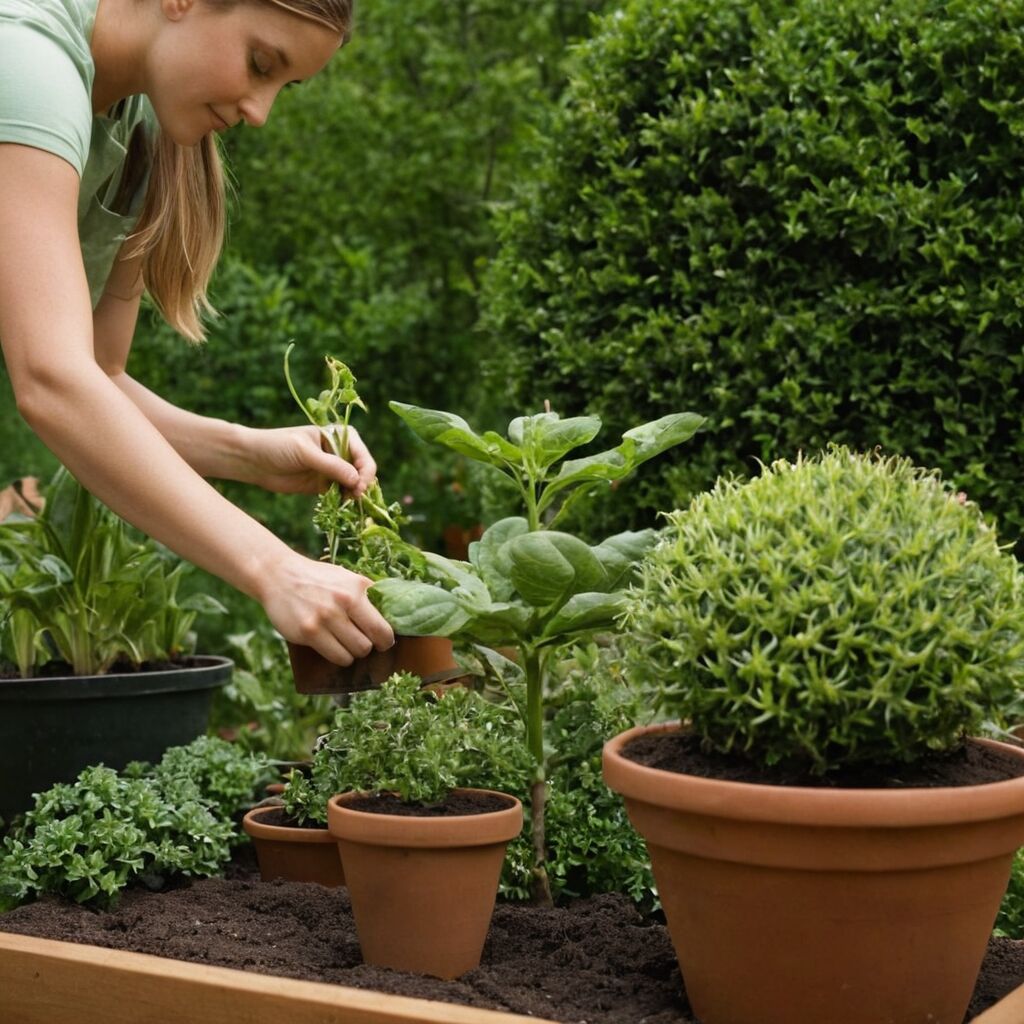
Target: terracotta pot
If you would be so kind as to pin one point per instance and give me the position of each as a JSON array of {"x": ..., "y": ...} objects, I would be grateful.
[
  {"x": 794, "y": 905},
  {"x": 294, "y": 854},
  {"x": 422, "y": 889},
  {"x": 429, "y": 657}
]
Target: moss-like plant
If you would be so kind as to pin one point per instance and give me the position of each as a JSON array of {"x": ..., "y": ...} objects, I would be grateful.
[{"x": 841, "y": 609}]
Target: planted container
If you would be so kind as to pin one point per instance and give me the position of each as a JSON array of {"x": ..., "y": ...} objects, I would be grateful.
[
  {"x": 423, "y": 888},
  {"x": 294, "y": 853},
  {"x": 52, "y": 728},
  {"x": 826, "y": 629}
]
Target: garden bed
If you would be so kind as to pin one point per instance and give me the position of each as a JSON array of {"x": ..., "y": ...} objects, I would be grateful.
[{"x": 597, "y": 961}]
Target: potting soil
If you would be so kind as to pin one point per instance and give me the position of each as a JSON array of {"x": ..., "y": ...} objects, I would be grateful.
[{"x": 596, "y": 961}]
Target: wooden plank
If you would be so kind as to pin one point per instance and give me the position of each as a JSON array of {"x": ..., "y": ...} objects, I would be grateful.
[
  {"x": 48, "y": 982},
  {"x": 1009, "y": 1010}
]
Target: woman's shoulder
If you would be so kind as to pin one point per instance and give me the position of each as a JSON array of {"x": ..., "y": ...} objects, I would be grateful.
[{"x": 48, "y": 75}]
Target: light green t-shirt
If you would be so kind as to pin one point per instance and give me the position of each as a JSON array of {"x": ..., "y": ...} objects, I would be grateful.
[{"x": 46, "y": 77}]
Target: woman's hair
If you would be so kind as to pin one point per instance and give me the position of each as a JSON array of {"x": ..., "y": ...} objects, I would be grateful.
[{"x": 181, "y": 228}]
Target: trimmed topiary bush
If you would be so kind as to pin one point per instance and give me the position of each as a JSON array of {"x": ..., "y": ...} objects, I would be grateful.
[
  {"x": 833, "y": 611},
  {"x": 799, "y": 218}
]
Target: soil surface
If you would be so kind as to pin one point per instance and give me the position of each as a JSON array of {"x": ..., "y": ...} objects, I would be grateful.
[
  {"x": 61, "y": 669},
  {"x": 597, "y": 961},
  {"x": 453, "y": 805},
  {"x": 969, "y": 765}
]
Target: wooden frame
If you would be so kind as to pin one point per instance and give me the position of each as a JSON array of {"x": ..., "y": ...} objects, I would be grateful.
[{"x": 48, "y": 982}]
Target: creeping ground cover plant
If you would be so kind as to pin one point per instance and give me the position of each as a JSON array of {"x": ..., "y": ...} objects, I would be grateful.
[
  {"x": 528, "y": 585},
  {"x": 86, "y": 840}
]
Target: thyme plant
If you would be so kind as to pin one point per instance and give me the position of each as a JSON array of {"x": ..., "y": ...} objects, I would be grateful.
[{"x": 836, "y": 610}]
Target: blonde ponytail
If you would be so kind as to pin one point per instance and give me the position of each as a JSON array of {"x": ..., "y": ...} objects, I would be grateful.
[{"x": 180, "y": 231}]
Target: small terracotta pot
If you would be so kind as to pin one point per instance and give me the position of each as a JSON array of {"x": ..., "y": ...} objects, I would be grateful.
[
  {"x": 795, "y": 905},
  {"x": 429, "y": 657},
  {"x": 294, "y": 854},
  {"x": 423, "y": 889}
]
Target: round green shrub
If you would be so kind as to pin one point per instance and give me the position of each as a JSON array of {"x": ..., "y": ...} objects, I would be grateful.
[
  {"x": 800, "y": 218},
  {"x": 837, "y": 610}
]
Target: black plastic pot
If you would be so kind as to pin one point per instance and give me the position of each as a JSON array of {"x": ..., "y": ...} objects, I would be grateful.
[{"x": 50, "y": 729}]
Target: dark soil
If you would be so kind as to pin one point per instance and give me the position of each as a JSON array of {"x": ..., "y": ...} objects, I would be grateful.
[
  {"x": 597, "y": 961},
  {"x": 453, "y": 805},
  {"x": 279, "y": 819},
  {"x": 61, "y": 669},
  {"x": 969, "y": 765}
]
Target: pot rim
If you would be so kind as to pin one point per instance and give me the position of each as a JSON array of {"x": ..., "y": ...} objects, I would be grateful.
[
  {"x": 282, "y": 833},
  {"x": 208, "y": 671},
  {"x": 491, "y": 827},
  {"x": 806, "y": 805}
]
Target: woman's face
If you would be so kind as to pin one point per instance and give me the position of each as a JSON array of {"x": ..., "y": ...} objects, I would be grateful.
[{"x": 211, "y": 67}]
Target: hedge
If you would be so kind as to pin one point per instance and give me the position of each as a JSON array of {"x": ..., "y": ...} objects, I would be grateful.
[{"x": 802, "y": 219}]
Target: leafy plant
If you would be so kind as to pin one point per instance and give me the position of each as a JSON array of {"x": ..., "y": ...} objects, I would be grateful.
[
  {"x": 88, "y": 839},
  {"x": 405, "y": 740},
  {"x": 360, "y": 532},
  {"x": 77, "y": 587},
  {"x": 1010, "y": 921},
  {"x": 837, "y": 610},
  {"x": 528, "y": 585}
]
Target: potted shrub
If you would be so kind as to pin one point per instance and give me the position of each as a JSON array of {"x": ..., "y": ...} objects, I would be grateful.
[
  {"x": 96, "y": 640},
  {"x": 827, "y": 843},
  {"x": 529, "y": 586},
  {"x": 361, "y": 534},
  {"x": 404, "y": 781}
]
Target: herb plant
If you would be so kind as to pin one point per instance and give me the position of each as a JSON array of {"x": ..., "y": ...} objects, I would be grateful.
[
  {"x": 75, "y": 586},
  {"x": 528, "y": 585},
  {"x": 837, "y": 610},
  {"x": 86, "y": 840},
  {"x": 403, "y": 739},
  {"x": 361, "y": 533}
]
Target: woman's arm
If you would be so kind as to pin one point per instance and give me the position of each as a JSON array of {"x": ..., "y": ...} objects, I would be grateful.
[
  {"x": 288, "y": 459},
  {"x": 46, "y": 328}
]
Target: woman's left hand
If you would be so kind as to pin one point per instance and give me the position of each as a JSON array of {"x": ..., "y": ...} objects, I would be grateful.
[{"x": 292, "y": 460}]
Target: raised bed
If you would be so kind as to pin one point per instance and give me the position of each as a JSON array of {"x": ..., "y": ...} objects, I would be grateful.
[{"x": 48, "y": 982}]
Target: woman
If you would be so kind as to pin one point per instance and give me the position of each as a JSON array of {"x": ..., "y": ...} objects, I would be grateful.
[{"x": 110, "y": 184}]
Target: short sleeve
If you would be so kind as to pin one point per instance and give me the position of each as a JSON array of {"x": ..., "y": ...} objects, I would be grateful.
[{"x": 44, "y": 101}]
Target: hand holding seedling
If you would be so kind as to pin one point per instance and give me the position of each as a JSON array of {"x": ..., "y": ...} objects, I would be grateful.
[{"x": 299, "y": 460}]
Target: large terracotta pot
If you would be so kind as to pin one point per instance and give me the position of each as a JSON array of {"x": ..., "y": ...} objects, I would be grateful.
[
  {"x": 294, "y": 854},
  {"x": 423, "y": 889},
  {"x": 794, "y": 905},
  {"x": 429, "y": 657}
]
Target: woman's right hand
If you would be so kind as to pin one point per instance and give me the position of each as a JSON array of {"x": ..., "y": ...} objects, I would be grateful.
[{"x": 325, "y": 607}]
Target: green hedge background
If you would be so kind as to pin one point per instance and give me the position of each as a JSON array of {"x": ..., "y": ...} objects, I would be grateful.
[{"x": 802, "y": 219}]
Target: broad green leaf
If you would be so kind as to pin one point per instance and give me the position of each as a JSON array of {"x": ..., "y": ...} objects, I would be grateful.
[
  {"x": 492, "y": 560},
  {"x": 449, "y": 430},
  {"x": 418, "y": 609},
  {"x": 659, "y": 435},
  {"x": 459, "y": 578},
  {"x": 501, "y": 625},
  {"x": 548, "y": 567},
  {"x": 585, "y": 612},
  {"x": 546, "y": 437},
  {"x": 620, "y": 554}
]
